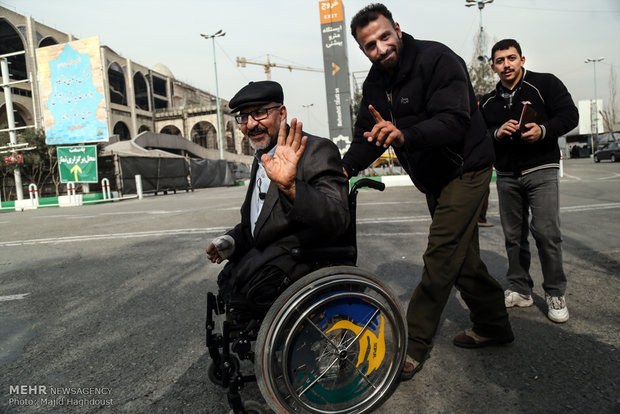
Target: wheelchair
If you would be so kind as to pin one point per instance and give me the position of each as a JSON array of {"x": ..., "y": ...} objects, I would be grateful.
[{"x": 333, "y": 341}]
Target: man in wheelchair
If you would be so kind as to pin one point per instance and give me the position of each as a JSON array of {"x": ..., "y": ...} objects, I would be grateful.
[
  {"x": 332, "y": 341},
  {"x": 297, "y": 196}
]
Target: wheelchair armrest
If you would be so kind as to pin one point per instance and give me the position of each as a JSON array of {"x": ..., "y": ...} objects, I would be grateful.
[{"x": 313, "y": 254}]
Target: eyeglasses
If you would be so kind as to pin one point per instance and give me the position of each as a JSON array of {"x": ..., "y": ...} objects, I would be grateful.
[{"x": 258, "y": 115}]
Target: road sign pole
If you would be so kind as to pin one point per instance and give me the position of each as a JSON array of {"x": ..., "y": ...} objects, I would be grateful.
[{"x": 11, "y": 124}]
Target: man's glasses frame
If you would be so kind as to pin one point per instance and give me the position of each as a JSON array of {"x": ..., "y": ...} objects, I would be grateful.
[{"x": 258, "y": 115}]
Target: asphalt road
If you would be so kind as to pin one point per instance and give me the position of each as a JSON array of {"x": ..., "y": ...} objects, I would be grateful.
[{"x": 103, "y": 306}]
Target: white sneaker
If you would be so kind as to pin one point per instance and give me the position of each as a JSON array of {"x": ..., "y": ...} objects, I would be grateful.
[
  {"x": 558, "y": 312},
  {"x": 512, "y": 298}
]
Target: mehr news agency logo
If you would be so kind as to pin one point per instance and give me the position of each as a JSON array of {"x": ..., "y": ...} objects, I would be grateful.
[{"x": 43, "y": 395}]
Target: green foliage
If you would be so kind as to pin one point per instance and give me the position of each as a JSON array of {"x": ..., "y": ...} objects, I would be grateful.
[
  {"x": 40, "y": 165},
  {"x": 482, "y": 77},
  {"x": 357, "y": 101}
]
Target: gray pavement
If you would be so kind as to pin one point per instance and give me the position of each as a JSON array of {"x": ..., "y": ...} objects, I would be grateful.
[{"x": 103, "y": 306}]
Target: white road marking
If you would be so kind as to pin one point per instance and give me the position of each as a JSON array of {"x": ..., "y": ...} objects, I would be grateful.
[
  {"x": 381, "y": 220},
  {"x": 413, "y": 233},
  {"x": 217, "y": 230},
  {"x": 154, "y": 233},
  {"x": 13, "y": 297},
  {"x": 588, "y": 207}
]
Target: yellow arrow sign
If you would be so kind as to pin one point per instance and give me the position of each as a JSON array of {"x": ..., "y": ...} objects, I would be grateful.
[
  {"x": 75, "y": 170},
  {"x": 336, "y": 69}
]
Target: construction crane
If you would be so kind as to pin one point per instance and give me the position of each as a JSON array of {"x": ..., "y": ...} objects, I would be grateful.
[{"x": 242, "y": 62}]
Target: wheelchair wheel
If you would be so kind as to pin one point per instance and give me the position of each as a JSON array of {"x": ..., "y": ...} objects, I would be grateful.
[{"x": 333, "y": 342}]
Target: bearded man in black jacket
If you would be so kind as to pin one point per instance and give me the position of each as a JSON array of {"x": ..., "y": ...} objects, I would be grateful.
[
  {"x": 418, "y": 99},
  {"x": 527, "y": 172}
]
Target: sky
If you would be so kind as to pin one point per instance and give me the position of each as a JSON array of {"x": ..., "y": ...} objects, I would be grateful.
[{"x": 556, "y": 36}]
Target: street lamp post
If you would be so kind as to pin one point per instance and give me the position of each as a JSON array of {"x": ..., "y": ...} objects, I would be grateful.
[
  {"x": 480, "y": 4},
  {"x": 595, "y": 132},
  {"x": 219, "y": 33},
  {"x": 308, "y": 114}
]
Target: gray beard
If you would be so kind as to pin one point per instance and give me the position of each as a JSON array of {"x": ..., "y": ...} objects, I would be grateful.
[{"x": 261, "y": 147}]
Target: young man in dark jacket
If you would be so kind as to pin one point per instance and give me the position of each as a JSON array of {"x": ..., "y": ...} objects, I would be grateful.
[
  {"x": 418, "y": 99},
  {"x": 527, "y": 163}
]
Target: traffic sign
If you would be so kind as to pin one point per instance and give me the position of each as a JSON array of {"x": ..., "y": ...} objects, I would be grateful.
[
  {"x": 77, "y": 164},
  {"x": 13, "y": 159}
]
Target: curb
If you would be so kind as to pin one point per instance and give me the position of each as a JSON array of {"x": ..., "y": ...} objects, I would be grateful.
[
  {"x": 47, "y": 202},
  {"x": 396, "y": 180}
]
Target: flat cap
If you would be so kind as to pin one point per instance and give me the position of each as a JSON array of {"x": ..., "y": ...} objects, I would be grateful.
[{"x": 257, "y": 93}]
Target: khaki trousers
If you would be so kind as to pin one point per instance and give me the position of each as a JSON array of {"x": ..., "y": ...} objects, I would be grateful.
[{"x": 452, "y": 258}]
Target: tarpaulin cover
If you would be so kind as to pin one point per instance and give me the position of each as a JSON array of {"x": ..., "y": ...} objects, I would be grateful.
[
  {"x": 211, "y": 173},
  {"x": 158, "y": 174}
]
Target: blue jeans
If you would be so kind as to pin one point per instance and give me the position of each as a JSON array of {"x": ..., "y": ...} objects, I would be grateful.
[{"x": 537, "y": 191}]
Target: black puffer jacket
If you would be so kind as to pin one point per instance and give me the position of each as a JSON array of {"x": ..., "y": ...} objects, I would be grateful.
[
  {"x": 558, "y": 115},
  {"x": 432, "y": 102}
]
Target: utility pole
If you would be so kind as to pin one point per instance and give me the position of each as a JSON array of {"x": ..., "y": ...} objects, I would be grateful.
[
  {"x": 482, "y": 56},
  {"x": 220, "y": 142},
  {"x": 595, "y": 131},
  {"x": 13, "y": 146},
  {"x": 242, "y": 62}
]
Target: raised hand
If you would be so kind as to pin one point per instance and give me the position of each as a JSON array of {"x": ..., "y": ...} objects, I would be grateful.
[
  {"x": 282, "y": 168},
  {"x": 384, "y": 132}
]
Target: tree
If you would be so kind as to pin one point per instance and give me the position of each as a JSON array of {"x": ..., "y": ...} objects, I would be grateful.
[
  {"x": 40, "y": 165},
  {"x": 609, "y": 114},
  {"x": 357, "y": 101},
  {"x": 480, "y": 72}
]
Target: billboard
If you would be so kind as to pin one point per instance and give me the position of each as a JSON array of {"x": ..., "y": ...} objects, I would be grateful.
[
  {"x": 336, "y": 67},
  {"x": 72, "y": 92}
]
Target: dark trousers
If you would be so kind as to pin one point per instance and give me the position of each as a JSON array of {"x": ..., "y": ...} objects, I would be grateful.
[{"x": 452, "y": 258}]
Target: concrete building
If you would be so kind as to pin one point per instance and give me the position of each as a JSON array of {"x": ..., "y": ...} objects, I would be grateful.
[{"x": 138, "y": 98}]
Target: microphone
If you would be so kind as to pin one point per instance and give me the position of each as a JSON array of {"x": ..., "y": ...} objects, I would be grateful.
[{"x": 261, "y": 195}]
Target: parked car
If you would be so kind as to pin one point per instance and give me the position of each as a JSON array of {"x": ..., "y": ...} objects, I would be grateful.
[{"x": 610, "y": 152}]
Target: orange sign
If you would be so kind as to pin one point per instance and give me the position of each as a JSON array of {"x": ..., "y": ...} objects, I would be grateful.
[{"x": 331, "y": 11}]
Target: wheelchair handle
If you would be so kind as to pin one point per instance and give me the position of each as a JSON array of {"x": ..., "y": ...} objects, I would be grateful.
[{"x": 367, "y": 182}]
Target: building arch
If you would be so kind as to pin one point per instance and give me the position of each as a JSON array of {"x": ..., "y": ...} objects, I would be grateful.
[
  {"x": 22, "y": 116},
  {"x": 121, "y": 129},
  {"x": 48, "y": 41},
  {"x": 204, "y": 134},
  {"x": 170, "y": 130},
  {"x": 118, "y": 86},
  {"x": 143, "y": 128},
  {"x": 230, "y": 137},
  {"x": 141, "y": 91},
  {"x": 11, "y": 41}
]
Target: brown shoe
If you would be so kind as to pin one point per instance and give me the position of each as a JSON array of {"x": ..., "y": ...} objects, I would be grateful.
[
  {"x": 469, "y": 339},
  {"x": 410, "y": 368},
  {"x": 485, "y": 224}
]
